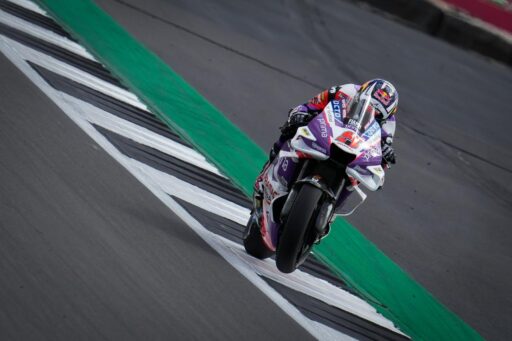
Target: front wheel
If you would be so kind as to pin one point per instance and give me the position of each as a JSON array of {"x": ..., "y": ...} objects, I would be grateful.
[
  {"x": 253, "y": 241},
  {"x": 296, "y": 241}
]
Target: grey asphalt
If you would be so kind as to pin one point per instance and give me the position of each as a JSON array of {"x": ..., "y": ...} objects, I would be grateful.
[
  {"x": 88, "y": 253},
  {"x": 444, "y": 214}
]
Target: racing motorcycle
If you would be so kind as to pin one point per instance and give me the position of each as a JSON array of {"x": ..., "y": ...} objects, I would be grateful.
[{"x": 302, "y": 186}]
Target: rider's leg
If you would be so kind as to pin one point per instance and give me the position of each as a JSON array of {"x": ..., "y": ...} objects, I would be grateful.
[{"x": 276, "y": 147}]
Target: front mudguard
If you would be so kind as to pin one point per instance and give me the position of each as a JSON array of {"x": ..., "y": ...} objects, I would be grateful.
[
  {"x": 324, "y": 212},
  {"x": 317, "y": 182}
]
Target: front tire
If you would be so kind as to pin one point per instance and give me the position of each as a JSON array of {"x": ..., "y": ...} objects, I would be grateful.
[
  {"x": 253, "y": 241},
  {"x": 294, "y": 242}
]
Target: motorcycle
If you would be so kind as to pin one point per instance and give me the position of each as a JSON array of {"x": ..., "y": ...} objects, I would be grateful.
[{"x": 305, "y": 187}]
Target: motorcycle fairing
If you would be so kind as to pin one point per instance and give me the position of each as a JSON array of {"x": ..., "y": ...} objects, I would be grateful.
[{"x": 329, "y": 129}]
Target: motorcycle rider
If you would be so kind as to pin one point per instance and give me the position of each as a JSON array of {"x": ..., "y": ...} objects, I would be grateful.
[{"x": 384, "y": 99}]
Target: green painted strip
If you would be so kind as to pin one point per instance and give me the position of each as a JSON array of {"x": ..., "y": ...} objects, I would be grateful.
[{"x": 346, "y": 250}]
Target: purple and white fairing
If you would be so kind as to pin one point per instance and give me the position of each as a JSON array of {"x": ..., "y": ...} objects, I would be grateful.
[{"x": 360, "y": 136}]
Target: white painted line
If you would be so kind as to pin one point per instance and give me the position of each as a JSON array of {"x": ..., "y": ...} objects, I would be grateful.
[
  {"x": 75, "y": 74},
  {"x": 195, "y": 195},
  {"x": 30, "y": 6},
  {"x": 43, "y": 34},
  {"x": 142, "y": 135},
  {"x": 315, "y": 287},
  {"x": 232, "y": 252}
]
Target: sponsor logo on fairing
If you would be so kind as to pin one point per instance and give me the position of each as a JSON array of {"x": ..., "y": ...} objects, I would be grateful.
[
  {"x": 284, "y": 165},
  {"x": 352, "y": 122},
  {"x": 371, "y": 130},
  {"x": 336, "y": 108},
  {"x": 269, "y": 189},
  {"x": 371, "y": 153},
  {"x": 323, "y": 128},
  {"x": 350, "y": 139}
]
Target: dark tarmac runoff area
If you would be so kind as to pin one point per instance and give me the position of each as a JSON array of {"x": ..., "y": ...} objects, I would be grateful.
[
  {"x": 88, "y": 253},
  {"x": 445, "y": 213}
]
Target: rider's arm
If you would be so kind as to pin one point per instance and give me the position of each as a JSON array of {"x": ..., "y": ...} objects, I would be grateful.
[
  {"x": 305, "y": 112},
  {"x": 318, "y": 103},
  {"x": 302, "y": 114},
  {"x": 388, "y": 129}
]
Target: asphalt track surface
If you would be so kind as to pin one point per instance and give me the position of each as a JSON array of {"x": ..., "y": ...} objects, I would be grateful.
[
  {"x": 88, "y": 253},
  {"x": 444, "y": 215}
]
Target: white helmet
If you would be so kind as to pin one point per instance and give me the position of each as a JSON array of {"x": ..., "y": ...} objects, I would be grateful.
[{"x": 384, "y": 97}]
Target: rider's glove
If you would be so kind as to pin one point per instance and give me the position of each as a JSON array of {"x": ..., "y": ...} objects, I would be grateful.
[
  {"x": 297, "y": 117},
  {"x": 388, "y": 153}
]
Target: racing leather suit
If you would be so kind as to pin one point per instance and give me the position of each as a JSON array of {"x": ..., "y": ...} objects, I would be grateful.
[{"x": 314, "y": 106}]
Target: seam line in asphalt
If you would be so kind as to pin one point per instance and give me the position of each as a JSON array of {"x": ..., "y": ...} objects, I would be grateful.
[{"x": 221, "y": 45}]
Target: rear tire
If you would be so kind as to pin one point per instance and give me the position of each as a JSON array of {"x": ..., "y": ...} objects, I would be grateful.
[
  {"x": 253, "y": 241},
  {"x": 302, "y": 215}
]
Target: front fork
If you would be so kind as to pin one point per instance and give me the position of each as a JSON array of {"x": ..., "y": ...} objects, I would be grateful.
[
  {"x": 332, "y": 200},
  {"x": 326, "y": 213},
  {"x": 322, "y": 224}
]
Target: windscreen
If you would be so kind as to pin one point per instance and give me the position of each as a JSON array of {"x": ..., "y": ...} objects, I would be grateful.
[{"x": 360, "y": 114}]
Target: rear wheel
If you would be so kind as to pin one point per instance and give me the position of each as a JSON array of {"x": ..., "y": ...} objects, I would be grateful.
[
  {"x": 253, "y": 241},
  {"x": 296, "y": 240}
]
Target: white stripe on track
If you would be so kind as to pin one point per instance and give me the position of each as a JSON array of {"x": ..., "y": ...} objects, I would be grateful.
[
  {"x": 43, "y": 34},
  {"x": 142, "y": 135},
  {"x": 317, "y": 288},
  {"x": 195, "y": 195},
  {"x": 312, "y": 286},
  {"x": 30, "y": 6},
  {"x": 232, "y": 252},
  {"x": 76, "y": 74}
]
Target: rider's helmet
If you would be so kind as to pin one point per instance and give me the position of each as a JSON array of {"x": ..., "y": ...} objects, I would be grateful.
[{"x": 382, "y": 96}]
